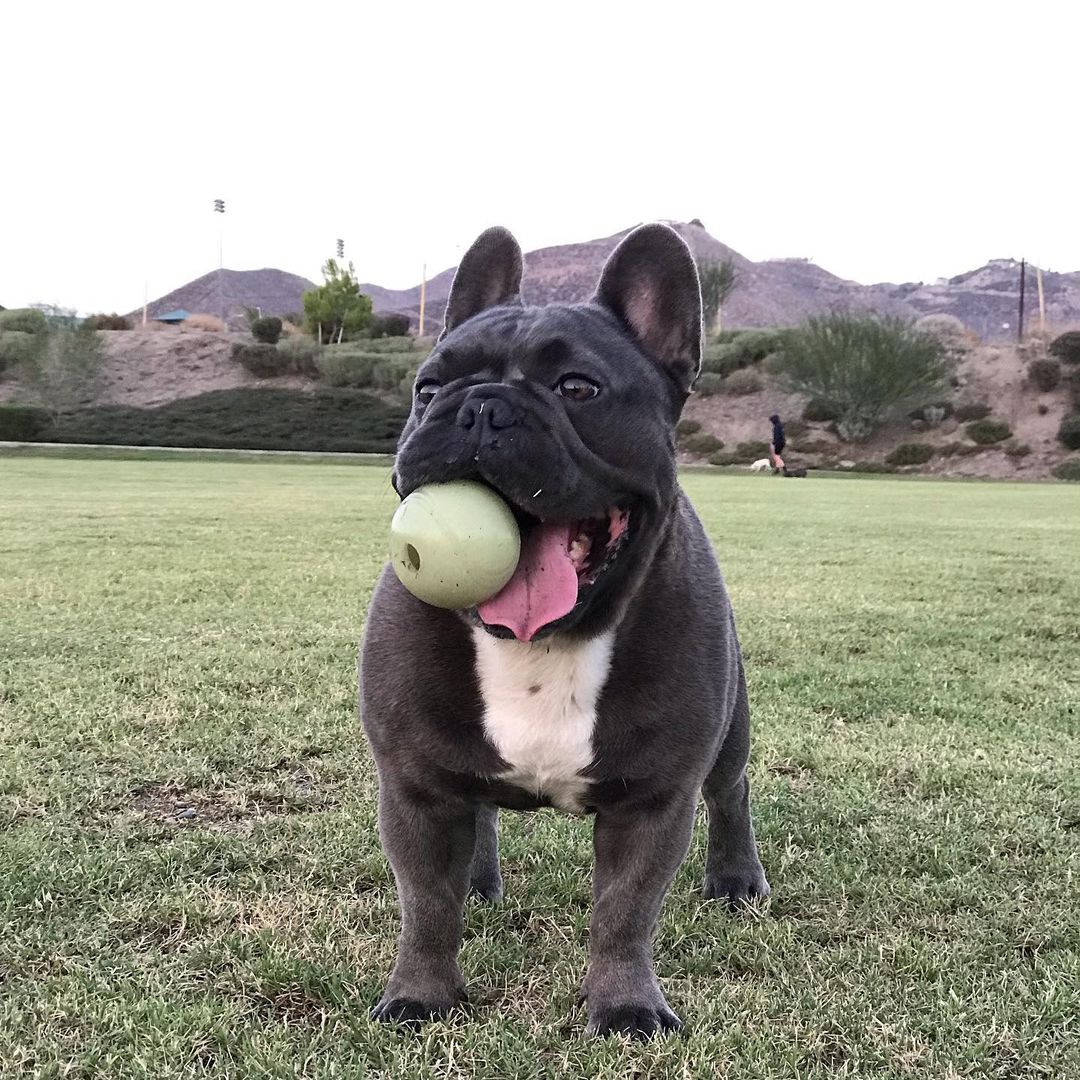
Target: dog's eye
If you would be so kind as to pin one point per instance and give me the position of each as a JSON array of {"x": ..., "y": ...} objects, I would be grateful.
[
  {"x": 426, "y": 391},
  {"x": 576, "y": 388}
]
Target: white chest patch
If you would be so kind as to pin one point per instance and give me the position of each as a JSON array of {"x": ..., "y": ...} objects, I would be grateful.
[{"x": 540, "y": 708}]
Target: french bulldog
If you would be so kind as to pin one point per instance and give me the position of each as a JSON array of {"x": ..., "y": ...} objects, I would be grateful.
[{"x": 605, "y": 678}]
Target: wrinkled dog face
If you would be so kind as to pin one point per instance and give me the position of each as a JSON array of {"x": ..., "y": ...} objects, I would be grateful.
[{"x": 568, "y": 412}]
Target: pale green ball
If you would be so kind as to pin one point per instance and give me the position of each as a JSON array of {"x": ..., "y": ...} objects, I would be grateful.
[{"x": 454, "y": 545}]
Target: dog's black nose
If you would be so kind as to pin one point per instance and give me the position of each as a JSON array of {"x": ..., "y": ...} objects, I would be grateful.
[{"x": 491, "y": 412}]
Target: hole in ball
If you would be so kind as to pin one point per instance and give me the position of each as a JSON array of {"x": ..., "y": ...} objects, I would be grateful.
[{"x": 413, "y": 556}]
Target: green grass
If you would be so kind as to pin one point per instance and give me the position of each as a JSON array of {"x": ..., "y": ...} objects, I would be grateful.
[{"x": 190, "y": 879}]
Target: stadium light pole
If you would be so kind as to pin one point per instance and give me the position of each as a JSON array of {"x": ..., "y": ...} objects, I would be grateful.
[
  {"x": 341, "y": 249},
  {"x": 219, "y": 208}
]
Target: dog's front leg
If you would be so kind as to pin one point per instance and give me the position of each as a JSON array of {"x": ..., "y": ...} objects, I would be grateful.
[
  {"x": 430, "y": 846},
  {"x": 637, "y": 853}
]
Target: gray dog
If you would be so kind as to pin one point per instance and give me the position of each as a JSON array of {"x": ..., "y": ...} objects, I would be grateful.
[{"x": 606, "y": 677}]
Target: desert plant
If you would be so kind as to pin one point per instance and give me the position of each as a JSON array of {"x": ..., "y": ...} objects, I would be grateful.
[
  {"x": 709, "y": 383},
  {"x": 988, "y": 431},
  {"x": 752, "y": 450},
  {"x": 718, "y": 281},
  {"x": 687, "y": 427},
  {"x": 108, "y": 322},
  {"x": 22, "y": 423},
  {"x": 1044, "y": 374},
  {"x": 1068, "y": 470},
  {"x": 302, "y": 353},
  {"x": 973, "y": 410},
  {"x": 339, "y": 366},
  {"x": 932, "y": 413},
  {"x": 1042, "y": 408},
  {"x": 744, "y": 381},
  {"x": 702, "y": 444},
  {"x": 873, "y": 467},
  {"x": 263, "y": 361},
  {"x": 18, "y": 347},
  {"x": 1017, "y": 449},
  {"x": 949, "y": 331},
  {"x": 336, "y": 310},
  {"x": 24, "y": 321},
  {"x": 388, "y": 326},
  {"x": 201, "y": 321},
  {"x": 725, "y": 457},
  {"x": 864, "y": 364},
  {"x": 266, "y": 330},
  {"x": 1069, "y": 431},
  {"x": 1066, "y": 347},
  {"x": 63, "y": 369},
  {"x": 911, "y": 453},
  {"x": 820, "y": 411}
]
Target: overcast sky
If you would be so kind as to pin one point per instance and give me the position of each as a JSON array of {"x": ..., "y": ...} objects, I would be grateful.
[{"x": 886, "y": 141}]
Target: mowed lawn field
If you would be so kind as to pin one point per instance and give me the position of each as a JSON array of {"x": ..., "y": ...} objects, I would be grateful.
[{"x": 190, "y": 878}]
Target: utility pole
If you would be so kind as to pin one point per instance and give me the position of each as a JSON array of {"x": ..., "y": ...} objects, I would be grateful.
[
  {"x": 219, "y": 208},
  {"x": 423, "y": 297},
  {"x": 1042, "y": 302},
  {"x": 1020, "y": 320}
]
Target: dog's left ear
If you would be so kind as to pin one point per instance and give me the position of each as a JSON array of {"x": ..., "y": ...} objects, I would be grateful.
[
  {"x": 650, "y": 282},
  {"x": 489, "y": 275}
]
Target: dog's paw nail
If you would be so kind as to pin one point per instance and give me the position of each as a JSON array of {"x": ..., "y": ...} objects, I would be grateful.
[
  {"x": 408, "y": 1012},
  {"x": 637, "y": 1021}
]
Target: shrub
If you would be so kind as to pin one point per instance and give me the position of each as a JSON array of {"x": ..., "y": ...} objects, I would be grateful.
[
  {"x": 933, "y": 413},
  {"x": 948, "y": 330},
  {"x": 744, "y": 381},
  {"x": 1069, "y": 431},
  {"x": 266, "y": 330},
  {"x": 384, "y": 326},
  {"x": 1068, "y": 470},
  {"x": 709, "y": 384},
  {"x": 1074, "y": 387},
  {"x": 108, "y": 322},
  {"x": 911, "y": 453},
  {"x": 338, "y": 367},
  {"x": 973, "y": 410},
  {"x": 210, "y": 323},
  {"x": 22, "y": 423},
  {"x": 702, "y": 443},
  {"x": 19, "y": 347},
  {"x": 739, "y": 349},
  {"x": 264, "y": 361},
  {"x": 1018, "y": 450},
  {"x": 1042, "y": 408},
  {"x": 1044, "y": 374},
  {"x": 866, "y": 365},
  {"x": 820, "y": 411},
  {"x": 752, "y": 450},
  {"x": 1066, "y": 347},
  {"x": 687, "y": 427},
  {"x": 815, "y": 446},
  {"x": 302, "y": 353},
  {"x": 24, "y": 321},
  {"x": 393, "y": 373},
  {"x": 724, "y": 458},
  {"x": 987, "y": 432},
  {"x": 873, "y": 467}
]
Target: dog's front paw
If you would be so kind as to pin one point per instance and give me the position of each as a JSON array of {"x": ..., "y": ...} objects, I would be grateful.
[
  {"x": 738, "y": 886},
  {"x": 638, "y": 1019},
  {"x": 487, "y": 885},
  {"x": 413, "y": 1010}
]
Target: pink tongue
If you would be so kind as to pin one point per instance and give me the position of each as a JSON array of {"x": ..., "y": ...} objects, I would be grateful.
[{"x": 544, "y": 586}]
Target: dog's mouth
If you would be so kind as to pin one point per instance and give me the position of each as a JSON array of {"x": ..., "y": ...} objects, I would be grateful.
[{"x": 560, "y": 563}]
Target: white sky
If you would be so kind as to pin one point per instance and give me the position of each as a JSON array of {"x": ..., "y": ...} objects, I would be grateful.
[{"x": 887, "y": 141}]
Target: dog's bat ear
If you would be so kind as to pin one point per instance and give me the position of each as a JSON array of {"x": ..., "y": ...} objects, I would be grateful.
[
  {"x": 489, "y": 275},
  {"x": 650, "y": 282}
]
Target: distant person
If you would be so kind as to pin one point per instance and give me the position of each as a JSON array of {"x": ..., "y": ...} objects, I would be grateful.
[{"x": 777, "y": 443}]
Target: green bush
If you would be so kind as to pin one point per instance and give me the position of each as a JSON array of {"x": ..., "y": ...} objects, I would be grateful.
[
  {"x": 726, "y": 457},
  {"x": 973, "y": 410},
  {"x": 820, "y": 411},
  {"x": 264, "y": 361},
  {"x": 687, "y": 427},
  {"x": 987, "y": 432},
  {"x": 1069, "y": 431},
  {"x": 341, "y": 367},
  {"x": 1044, "y": 374},
  {"x": 911, "y": 453},
  {"x": 266, "y": 330},
  {"x": 18, "y": 347},
  {"x": 1018, "y": 450},
  {"x": 24, "y": 320},
  {"x": 1066, "y": 347},
  {"x": 392, "y": 345},
  {"x": 702, "y": 444},
  {"x": 709, "y": 384},
  {"x": 742, "y": 382},
  {"x": 814, "y": 446},
  {"x": 866, "y": 365},
  {"x": 22, "y": 423},
  {"x": 302, "y": 354},
  {"x": 388, "y": 326},
  {"x": 1068, "y": 470},
  {"x": 872, "y": 467},
  {"x": 394, "y": 373},
  {"x": 752, "y": 450},
  {"x": 739, "y": 349},
  {"x": 108, "y": 322},
  {"x": 1074, "y": 387},
  {"x": 249, "y": 418}
]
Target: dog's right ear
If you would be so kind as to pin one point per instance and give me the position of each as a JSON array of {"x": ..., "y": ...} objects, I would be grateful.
[{"x": 489, "y": 275}]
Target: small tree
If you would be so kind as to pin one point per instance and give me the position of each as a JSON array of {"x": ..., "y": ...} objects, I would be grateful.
[
  {"x": 718, "y": 282},
  {"x": 63, "y": 370},
  {"x": 864, "y": 365},
  {"x": 336, "y": 310}
]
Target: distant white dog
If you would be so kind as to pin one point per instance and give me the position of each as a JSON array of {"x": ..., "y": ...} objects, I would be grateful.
[{"x": 761, "y": 465}]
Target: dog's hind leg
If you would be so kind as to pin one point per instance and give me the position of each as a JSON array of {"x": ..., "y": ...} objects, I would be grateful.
[
  {"x": 484, "y": 876},
  {"x": 733, "y": 869}
]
